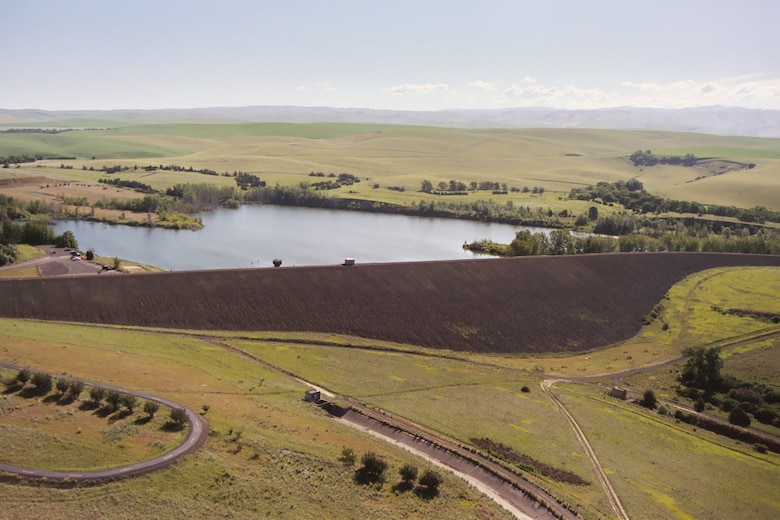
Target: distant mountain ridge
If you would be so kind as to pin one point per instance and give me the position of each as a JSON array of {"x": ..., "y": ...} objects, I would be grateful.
[{"x": 710, "y": 120}]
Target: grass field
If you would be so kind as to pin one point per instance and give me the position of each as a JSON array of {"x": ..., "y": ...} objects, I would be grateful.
[
  {"x": 269, "y": 454},
  {"x": 661, "y": 469},
  {"x": 402, "y": 156}
]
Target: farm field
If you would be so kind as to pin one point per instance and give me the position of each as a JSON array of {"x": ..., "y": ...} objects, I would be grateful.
[
  {"x": 385, "y": 156},
  {"x": 658, "y": 468}
]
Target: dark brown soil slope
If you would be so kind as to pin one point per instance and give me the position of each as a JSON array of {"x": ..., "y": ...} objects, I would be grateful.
[{"x": 538, "y": 304}]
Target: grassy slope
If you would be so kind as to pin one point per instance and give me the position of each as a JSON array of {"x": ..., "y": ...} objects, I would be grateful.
[
  {"x": 557, "y": 159},
  {"x": 287, "y": 467}
]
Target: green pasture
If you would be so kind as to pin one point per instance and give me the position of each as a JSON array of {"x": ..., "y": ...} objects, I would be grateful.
[
  {"x": 662, "y": 469},
  {"x": 402, "y": 156},
  {"x": 458, "y": 399}
]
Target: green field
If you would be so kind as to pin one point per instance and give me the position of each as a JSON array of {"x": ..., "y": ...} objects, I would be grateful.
[{"x": 403, "y": 156}]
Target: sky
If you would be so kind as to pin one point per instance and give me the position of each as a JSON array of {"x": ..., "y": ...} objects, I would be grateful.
[{"x": 397, "y": 55}]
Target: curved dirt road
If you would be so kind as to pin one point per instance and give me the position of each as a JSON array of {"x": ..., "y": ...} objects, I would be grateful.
[{"x": 196, "y": 437}]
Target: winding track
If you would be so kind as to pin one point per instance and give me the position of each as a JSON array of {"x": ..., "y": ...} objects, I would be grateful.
[{"x": 196, "y": 437}]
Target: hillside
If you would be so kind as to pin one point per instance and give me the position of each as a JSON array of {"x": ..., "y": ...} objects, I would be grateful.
[{"x": 518, "y": 305}]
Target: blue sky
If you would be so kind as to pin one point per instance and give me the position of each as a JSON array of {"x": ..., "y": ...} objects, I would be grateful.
[{"x": 411, "y": 55}]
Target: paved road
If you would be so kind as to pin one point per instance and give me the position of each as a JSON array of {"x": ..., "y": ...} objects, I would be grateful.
[
  {"x": 58, "y": 262},
  {"x": 198, "y": 432}
]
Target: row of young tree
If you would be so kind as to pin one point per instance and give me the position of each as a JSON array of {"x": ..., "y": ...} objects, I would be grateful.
[{"x": 41, "y": 384}]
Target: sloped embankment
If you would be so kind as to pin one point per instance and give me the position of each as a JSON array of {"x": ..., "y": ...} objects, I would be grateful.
[{"x": 537, "y": 304}]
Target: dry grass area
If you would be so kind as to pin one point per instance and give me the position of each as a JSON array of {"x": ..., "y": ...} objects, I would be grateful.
[{"x": 269, "y": 453}]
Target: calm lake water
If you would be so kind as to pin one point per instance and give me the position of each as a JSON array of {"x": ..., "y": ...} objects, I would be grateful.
[{"x": 252, "y": 236}]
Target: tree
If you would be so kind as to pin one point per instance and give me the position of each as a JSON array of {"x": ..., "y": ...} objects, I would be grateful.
[
  {"x": 66, "y": 239},
  {"x": 347, "y": 457},
  {"x": 372, "y": 470},
  {"x": 97, "y": 394},
  {"x": 649, "y": 400},
  {"x": 593, "y": 213},
  {"x": 178, "y": 416},
  {"x": 739, "y": 417},
  {"x": 114, "y": 399},
  {"x": 62, "y": 385},
  {"x": 150, "y": 408},
  {"x": 699, "y": 406},
  {"x": 702, "y": 370},
  {"x": 129, "y": 401},
  {"x": 37, "y": 232},
  {"x": 408, "y": 473},
  {"x": 431, "y": 480},
  {"x": 75, "y": 388},
  {"x": 23, "y": 376},
  {"x": 426, "y": 187},
  {"x": 43, "y": 383}
]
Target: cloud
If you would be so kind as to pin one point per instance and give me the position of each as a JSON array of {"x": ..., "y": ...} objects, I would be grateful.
[
  {"x": 528, "y": 92},
  {"x": 301, "y": 88},
  {"x": 747, "y": 91},
  {"x": 418, "y": 88},
  {"x": 484, "y": 85}
]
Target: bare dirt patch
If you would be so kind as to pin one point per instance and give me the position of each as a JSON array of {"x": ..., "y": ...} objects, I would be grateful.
[{"x": 539, "y": 304}]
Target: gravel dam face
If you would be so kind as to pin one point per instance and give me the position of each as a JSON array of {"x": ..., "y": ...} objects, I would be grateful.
[{"x": 508, "y": 305}]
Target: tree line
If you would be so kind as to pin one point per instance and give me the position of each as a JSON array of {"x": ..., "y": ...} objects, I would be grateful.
[
  {"x": 681, "y": 238},
  {"x": 34, "y": 231},
  {"x": 632, "y": 196},
  {"x": 454, "y": 187},
  {"x": 647, "y": 158}
]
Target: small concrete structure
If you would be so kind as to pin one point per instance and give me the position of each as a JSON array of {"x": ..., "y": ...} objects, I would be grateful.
[
  {"x": 349, "y": 261},
  {"x": 619, "y": 393},
  {"x": 312, "y": 396}
]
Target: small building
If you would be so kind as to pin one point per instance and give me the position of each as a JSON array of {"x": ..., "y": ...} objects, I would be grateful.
[
  {"x": 618, "y": 393},
  {"x": 349, "y": 261},
  {"x": 312, "y": 396}
]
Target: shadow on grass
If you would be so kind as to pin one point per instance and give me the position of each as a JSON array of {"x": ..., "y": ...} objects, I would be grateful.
[
  {"x": 403, "y": 487},
  {"x": 142, "y": 420},
  {"x": 12, "y": 388},
  {"x": 28, "y": 392},
  {"x": 119, "y": 415},
  {"x": 66, "y": 399},
  {"x": 171, "y": 426},
  {"x": 89, "y": 405},
  {"x": 51, "y": 399},
  {"x": 426, "y": 493},
  {"x": 104, "y": 411}
]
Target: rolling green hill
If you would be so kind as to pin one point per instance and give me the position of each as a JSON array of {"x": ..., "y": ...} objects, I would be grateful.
[{"x": 402, "y": 156}]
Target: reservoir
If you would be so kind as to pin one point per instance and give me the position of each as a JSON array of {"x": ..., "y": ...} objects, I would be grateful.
[{"x": 252, "y": 236}]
